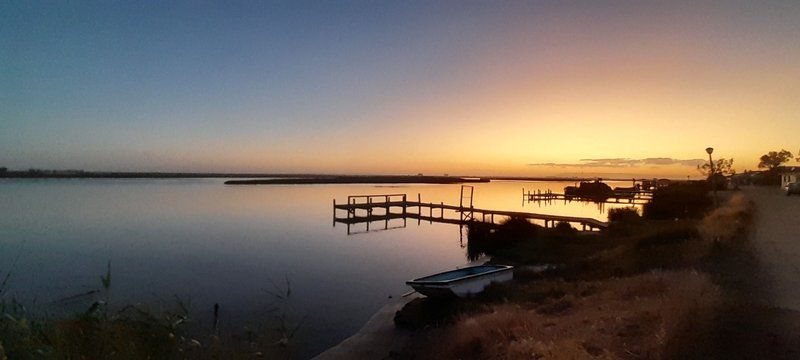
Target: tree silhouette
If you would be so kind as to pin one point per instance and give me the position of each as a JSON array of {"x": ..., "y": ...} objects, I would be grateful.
[
  {"x": 773, "y": 159},
  {"x": 722, "y": 166}
]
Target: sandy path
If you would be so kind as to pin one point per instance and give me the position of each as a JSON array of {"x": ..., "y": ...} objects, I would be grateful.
[{"x": 776, "y": 241}]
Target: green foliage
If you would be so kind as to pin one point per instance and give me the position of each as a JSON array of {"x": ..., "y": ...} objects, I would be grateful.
[{"x": 679, "y": 201}]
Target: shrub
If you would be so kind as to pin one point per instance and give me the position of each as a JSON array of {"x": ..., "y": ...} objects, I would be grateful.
[
  {"x": 485, "y": 238},
  {"x": 516, "y": 229},
  {"x": 727, "y": 221},
  {"x": 563, "y": 228},
  {"x": 679, "y": 201},
  {"x": 623, "y": 221},
  {"x": 625, "y": 215}
]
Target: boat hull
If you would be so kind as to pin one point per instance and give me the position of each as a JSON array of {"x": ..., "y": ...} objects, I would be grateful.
[{"x": 462, "y": 282}]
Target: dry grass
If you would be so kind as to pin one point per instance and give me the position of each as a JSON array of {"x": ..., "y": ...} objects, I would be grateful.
[
  {"x": 728, "y": 221},
  {"x": 634, "y": 317},
  {"x": 632, "y": 295},
  {"x": 654, "y": 245}
]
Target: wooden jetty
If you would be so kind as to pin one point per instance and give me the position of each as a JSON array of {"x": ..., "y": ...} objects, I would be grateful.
[
  {"x": 639, "y": 197},
  {"x": 374, "y": 208}
]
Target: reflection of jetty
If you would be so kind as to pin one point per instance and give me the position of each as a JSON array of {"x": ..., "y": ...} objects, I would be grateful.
[
  {"x": 633, "y": 197},
  {"x": 373, "y": 208}
]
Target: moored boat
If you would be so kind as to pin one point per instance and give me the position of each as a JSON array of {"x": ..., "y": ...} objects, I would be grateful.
[{"x": 462, "y": 282}]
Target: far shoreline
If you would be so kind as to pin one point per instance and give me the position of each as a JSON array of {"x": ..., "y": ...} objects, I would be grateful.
[
  {"x": 289, "y": 178},
  {"x": 380, "y": 179}
]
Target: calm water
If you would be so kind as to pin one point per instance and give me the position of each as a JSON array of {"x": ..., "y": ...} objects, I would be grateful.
[{"x": 208, "y": 243}]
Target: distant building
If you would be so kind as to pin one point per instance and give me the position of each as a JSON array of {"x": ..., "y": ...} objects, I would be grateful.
[{"x": 789, "y": 174}]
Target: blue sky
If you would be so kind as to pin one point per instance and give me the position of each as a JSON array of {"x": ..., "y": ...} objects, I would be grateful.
[{"x": 390, "y": 87}]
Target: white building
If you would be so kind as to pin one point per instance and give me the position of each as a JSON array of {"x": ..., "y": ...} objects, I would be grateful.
[{"x": 789, "y": 175}]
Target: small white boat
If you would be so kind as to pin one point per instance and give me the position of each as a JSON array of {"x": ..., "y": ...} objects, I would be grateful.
[{"x": 462, "y": 282}]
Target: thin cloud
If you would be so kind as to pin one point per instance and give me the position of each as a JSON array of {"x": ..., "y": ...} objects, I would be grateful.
[{"x": 625, "y": 162}]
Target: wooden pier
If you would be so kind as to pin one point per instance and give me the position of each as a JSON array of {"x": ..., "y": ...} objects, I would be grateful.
[
  {"x": 384, "y": 208},
  {"x": 640, "y": 197}
]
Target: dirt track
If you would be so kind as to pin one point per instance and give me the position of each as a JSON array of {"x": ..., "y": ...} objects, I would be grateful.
[{"x": 776, "y": 243}]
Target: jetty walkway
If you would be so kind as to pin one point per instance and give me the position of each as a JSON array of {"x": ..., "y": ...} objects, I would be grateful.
[{"x": 371, "y": 208}]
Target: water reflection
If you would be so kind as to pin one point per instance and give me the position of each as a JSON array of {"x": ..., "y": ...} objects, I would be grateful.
[
  {"x": 211, "y": 244},
  {"x": 374, "y": 212}
]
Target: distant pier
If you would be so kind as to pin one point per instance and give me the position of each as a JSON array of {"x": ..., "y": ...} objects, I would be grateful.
[{"x": 632, "y": 197}]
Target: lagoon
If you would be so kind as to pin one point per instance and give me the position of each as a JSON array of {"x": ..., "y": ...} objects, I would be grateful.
[{"x": 203, "y": 242}]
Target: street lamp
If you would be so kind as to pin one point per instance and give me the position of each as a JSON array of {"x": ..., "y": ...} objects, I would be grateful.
[{"x": 710, "y": 150}]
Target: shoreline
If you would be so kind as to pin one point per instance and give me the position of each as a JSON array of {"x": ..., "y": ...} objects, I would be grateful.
[
  {"x": 377, "y": 338},
  {"x": 360, "y": 180},
  {"x": 288, "y": 178}
]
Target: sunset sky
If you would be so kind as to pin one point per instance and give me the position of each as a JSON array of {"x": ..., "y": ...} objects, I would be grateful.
[{"x": 633, "y": 88}]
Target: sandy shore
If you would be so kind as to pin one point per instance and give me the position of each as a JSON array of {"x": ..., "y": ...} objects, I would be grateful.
[{"x": 377, "y": 339}]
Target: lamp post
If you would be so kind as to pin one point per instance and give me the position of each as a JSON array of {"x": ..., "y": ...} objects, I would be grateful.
[{"x": 710, "y": 150}]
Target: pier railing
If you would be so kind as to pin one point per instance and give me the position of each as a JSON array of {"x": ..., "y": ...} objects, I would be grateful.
[{"x": 368, "y": 199}]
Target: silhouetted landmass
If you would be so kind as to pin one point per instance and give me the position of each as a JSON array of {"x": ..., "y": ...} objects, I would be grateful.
[
  {"x": 78, "y": 174},
  {"x": 296, "y": 178},
  {"x": 388, "y": 179}
]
